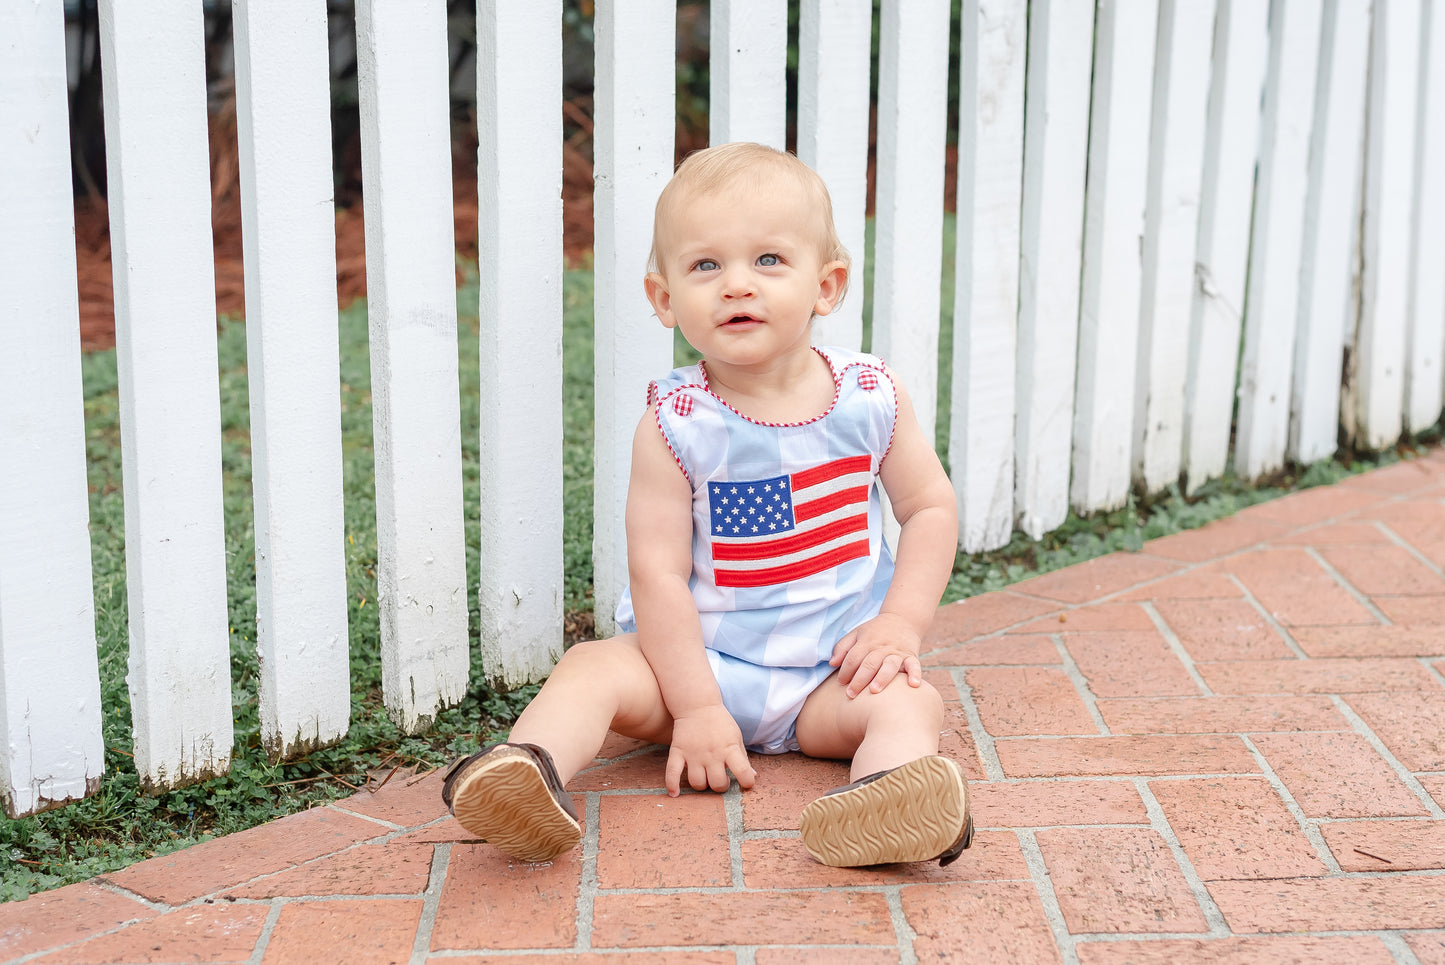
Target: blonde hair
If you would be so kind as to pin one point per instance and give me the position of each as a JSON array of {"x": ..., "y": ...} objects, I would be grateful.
[{"x": 744, "y": 164}]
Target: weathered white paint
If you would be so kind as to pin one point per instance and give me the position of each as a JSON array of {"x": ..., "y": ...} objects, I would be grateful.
[
  {"x": 1272, "y": 300},
  {"x": 1379, "y": 358},
  {"x": 1124, "y": 37},
  {"x": 1427, "y": 263},
  {"x": 50, "y": 736},
  {"x": 633, "y": 148},
  {"x": 411, "y": 287},
  {"x": 986, "y": 276},
  {"x": 908, "y": 219},
  {"x": 1056, "y": 136},
  {"x": 1171, "y": 225},
  {"x": 833, "y": 74},
  {"x": 747, "y": 80},
  {"x": 153, "y": 72},
  {"x": 519, "y": 177},
  {"x": 1226, "y": 201},
  {"x": 1331, "y": 229},
  {"x": 283, "y": 114}
]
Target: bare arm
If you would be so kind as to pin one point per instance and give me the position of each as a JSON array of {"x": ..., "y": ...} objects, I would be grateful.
[
  {"x": 923, "y": 502},
  {"x": 706, "y": 741}
]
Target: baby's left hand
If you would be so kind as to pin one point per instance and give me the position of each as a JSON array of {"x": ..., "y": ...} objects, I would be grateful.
[{"x": 871, "y": 656}]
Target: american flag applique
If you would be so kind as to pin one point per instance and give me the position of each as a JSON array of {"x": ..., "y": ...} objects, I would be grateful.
[{"x": 770, "y": 531}]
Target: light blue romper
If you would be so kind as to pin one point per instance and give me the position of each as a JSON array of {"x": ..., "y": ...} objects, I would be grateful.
[{"x": 787, "y": 546}]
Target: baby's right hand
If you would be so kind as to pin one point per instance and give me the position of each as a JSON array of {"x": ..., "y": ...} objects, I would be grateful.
[{"x": 707, "y": 743}]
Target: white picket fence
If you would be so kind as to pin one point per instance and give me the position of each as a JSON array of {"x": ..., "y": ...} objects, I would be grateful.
[{"x": 1175, "y": 176}]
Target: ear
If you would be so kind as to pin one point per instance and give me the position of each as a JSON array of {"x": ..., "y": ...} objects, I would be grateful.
[
  {"x": 831, "y": 282},
  {"x": 656, "y": 288}
]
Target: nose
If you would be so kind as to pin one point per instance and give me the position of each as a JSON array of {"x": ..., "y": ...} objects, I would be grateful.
[{"x": 738, "y": 282}]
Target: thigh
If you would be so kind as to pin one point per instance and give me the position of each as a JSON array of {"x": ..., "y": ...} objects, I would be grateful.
[{"x": 832, "y": 725}]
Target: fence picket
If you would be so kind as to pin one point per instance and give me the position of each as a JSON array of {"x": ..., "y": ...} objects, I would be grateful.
[
  {"x": 1171, "y": 223},
  {"x": 283, "y": 109},
  {"x": 1332, "y": 215},
  {"x": 50, "y": 749},
  {"x": 1427, "y": 277},
  {"x": 1056, "y": 136},
  {"x": 170, "y": 411},
  {"x": 908, "y": 261},
  {"x": 411, "y": 293},
  {"x": 834, "y": 37},
  {"x": 747, "y": 83},
  {"x": 986, "y": 275},
  {"x": 1272, "y": 300},
  {"x": 1125, "y": 35},
  {"x": 633, "y": 152},
  {"x": 1378, "y": 382},
  {"x": 1226, "y": 201},
  {"x": 519, "y": 121}
]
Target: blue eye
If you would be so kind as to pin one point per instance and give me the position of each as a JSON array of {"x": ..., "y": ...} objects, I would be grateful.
[
  {"x": 769, "y": 261},
  {"x": 707, "y": 264}
]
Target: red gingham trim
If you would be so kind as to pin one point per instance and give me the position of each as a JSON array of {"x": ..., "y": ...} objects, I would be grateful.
[
  {"x": 837, "y": 387},
  {"x": 888, "y": 374},
  {"x": 657, "y": 417}
]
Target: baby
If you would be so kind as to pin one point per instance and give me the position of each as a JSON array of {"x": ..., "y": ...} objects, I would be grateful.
[{"x": 764, "y": 611}]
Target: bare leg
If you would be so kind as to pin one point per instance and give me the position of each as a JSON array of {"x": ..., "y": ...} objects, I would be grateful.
[
  {"x": 597, "y": 686},
  {"x": 878, "y": 731}
]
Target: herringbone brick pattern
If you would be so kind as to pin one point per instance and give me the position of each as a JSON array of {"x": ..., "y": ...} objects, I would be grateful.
[{"x": 1229, "y": 747}]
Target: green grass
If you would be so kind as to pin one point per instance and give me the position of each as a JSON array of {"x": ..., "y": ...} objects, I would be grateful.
[{"x": 119, "y": 825}]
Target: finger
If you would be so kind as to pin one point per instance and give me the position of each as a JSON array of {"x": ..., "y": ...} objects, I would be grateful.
[
  {"x": 886, "y": 672},
  {"x": 914, "y": 668},
  {"x": 697, "y": 777},
  {"x": 717, "y": 777},
  {"x": 742, "y": 768},
  {"x": 866, "y": 671},
  {"x": 841, "y": 648},
  {"x": 673, "y": 775}
]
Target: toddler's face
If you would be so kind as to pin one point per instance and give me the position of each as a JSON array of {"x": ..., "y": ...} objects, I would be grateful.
[{"x": 741, "y": 274}]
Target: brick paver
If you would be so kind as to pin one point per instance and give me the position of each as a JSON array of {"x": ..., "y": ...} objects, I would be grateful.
[{"x": 1228, "y": 748}]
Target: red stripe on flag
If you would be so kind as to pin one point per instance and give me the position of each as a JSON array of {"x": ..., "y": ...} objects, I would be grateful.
[
  {"x": 831, "y": 470},
  {"x": 826, "y": 504},
  {"x": 791, "y": 571},
  {"x": 786, "y": 545}
]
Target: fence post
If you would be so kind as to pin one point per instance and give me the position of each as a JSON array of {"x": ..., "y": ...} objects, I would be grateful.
[
  {"x": 1331, "y": 232},
  {"x": 1226, "y": 198},
  {"x": 1427, "y": 280},
  {"x": 634, "y": 124},
  {"x": 834, "y": 37},
  {"x": 283, "y": 114},
  {"x": 519, "y": 259},
  {"x": 1378, "y": 384},
  {"x": 1125, "y": 37},
  {"x": 1056, "y": 136},
  {"x": 747, "y": 86},
  {"x": 412, "y": 301},
  {"x": 50, "y": 715},
  {"x": 1171, "y": 223},
  {"x": 908, "y": 261},
  {"x": 165, "y": 317},
  {"x": 986, "y": 277}
]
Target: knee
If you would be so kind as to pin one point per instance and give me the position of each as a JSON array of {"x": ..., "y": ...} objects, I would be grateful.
[{"x": 923, "y": 703}]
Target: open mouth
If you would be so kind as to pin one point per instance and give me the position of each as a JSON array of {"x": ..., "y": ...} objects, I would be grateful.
[{"x": 740, "y": 320}]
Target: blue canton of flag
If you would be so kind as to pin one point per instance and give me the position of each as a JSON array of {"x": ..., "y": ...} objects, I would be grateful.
[{"x": 757, "y": 508}]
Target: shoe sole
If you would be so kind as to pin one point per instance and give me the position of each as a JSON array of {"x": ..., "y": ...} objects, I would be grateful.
[
  {"x": 504, "y": 799},
  {"x": 913, "y": 813}
]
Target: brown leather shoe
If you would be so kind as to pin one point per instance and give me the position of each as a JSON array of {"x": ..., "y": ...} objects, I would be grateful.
[
  {"x": 510, "y": 795},
  {"x": 915, "y": 812}
]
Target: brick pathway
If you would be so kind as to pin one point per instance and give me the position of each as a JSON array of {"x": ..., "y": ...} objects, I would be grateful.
[{"x": 1229, "y": 747}]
